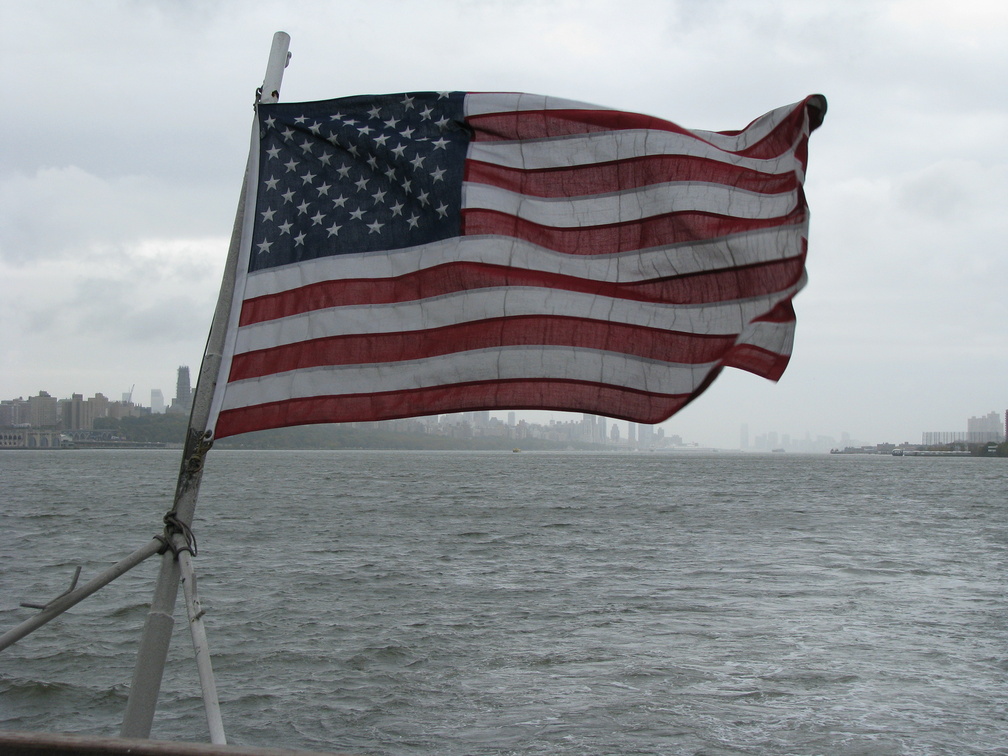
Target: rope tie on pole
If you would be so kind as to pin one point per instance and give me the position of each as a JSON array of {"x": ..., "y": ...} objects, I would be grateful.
[
  {"x": 202, "y": 445},
  {"x": 174, "y": 526}
]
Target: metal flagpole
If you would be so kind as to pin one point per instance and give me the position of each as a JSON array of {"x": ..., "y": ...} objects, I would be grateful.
[
  {"x": 201, "y": 650},
  {"x": 153, "y": 651}
]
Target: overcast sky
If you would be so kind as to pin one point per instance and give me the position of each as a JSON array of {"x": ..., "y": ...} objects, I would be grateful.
[{"x": 127, "y": 124}]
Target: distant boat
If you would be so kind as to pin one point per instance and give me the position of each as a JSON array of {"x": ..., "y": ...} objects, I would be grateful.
[
  {"x": 516, "y": 450},
  {"x": 778, "y": 451}
]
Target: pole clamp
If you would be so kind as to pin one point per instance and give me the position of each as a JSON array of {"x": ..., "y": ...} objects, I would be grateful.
[
  {"x": 199, "y": 445},
  {"x": 174, "y": 526}
]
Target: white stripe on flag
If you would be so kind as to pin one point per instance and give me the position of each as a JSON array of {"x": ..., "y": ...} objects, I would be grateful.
[
  {"x": 512, "y": 102},
  {"x": 773, "y": 337},
  {"x": 498, "y": 364},
  {"x": 608, "y": 146},
  {"x": 632, "y": 205},
  {"x": 503, "y": 302},
  {"x": 660, "y": 262}
]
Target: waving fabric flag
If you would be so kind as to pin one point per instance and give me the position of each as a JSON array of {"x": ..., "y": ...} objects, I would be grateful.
[{"x": 422, "y": 253}]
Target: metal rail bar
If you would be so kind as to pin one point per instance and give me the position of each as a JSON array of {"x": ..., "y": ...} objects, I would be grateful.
[{"x": 60, "y": 604}]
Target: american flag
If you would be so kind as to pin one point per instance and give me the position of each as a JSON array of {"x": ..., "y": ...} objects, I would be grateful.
[{"x": 421, "y": 253}]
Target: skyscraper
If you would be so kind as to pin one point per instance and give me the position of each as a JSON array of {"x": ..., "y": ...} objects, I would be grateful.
[
  {"x": 183, "y": 391},
  {"x": 182, "y": 403}
]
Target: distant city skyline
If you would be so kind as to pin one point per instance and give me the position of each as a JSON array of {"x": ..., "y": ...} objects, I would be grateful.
[{"x": 748, "y": 436}]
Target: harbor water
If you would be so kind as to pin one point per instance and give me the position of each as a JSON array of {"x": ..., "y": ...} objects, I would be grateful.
[{"x": 408, "y": 603}]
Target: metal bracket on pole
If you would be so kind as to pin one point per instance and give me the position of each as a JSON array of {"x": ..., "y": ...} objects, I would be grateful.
[{"x": 73, "y": 584}]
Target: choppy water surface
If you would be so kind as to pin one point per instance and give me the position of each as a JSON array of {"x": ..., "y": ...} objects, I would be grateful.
[{"x": 491, "y": 603}]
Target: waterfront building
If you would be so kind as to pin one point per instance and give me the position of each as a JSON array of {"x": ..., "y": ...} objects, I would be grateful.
[
  {"x": 72, "y": 415},
  {"x": 42, "y": 410},
  {"x": 984, "y": 429},
  {"x": 95, "y": 408},
  {"x": 13, "y": 412}
]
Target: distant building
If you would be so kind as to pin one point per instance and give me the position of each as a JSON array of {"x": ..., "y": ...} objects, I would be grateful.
[
  {"x": 183, "y": 386},
  {"x": 182, "y": 403},
  {"x": 42, "y": 410},
  {"x": 95, "y": 408},
  {"x": 979, "y": 430},
  {"x": 157, "y": 405},
  {"x": 985, "y": 429},
  {"x": 72, "y": 416},
  {"x": 941, "y": 438},
  {"x": 30, "y": 438},
  {"x": 592, "y": 429},
  {"x": 13, "y": 412},
  {"x": 119, "y": 410}
]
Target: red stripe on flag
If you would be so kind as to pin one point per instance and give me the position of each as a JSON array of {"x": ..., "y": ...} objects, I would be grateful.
[
  {"x": 543, "y": 124},
  {"x": 580, "y": 181},
  {"x": 778, "y": 141},
  {"x": 782, "y": 313},
  {"x": 654, "y": 231},
  {"x": 716, "y": 286},
  {"x": 575, "y": 333},
  {"x": 595, "y": 398},
  {"x": 754, "y": 359}
]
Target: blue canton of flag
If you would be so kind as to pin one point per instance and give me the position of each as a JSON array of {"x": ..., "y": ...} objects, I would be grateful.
[{"x": 359, "y": 174}]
